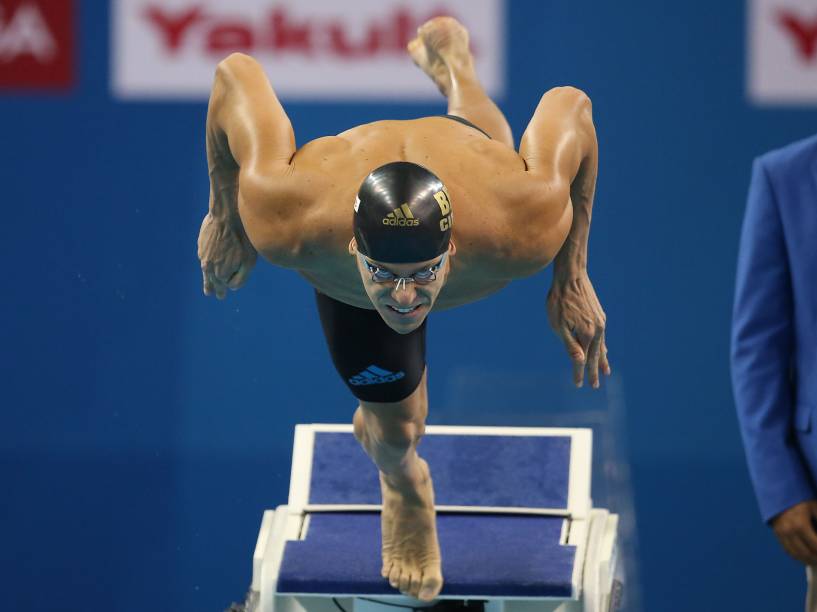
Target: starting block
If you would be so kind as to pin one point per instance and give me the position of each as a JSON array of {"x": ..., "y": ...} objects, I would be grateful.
[{"x": 515, "y": 523}]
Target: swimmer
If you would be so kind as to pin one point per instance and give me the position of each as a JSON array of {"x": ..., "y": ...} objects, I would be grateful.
[{"x": 393, "y": 219}]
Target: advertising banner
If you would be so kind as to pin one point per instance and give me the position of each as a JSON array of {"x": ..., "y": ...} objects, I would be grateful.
[{"x": 311, "y": 49}]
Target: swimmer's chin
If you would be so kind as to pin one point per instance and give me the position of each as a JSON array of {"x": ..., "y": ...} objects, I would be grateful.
[{"x": 402, "y": 329}]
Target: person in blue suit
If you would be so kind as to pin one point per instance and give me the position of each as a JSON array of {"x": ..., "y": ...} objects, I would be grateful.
[{"x": 774, "y": 346}]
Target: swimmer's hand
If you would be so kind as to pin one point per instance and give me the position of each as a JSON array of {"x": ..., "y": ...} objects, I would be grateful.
[
  {"x": 576, "y": 316},
  {"x": 226, "y": 255}
]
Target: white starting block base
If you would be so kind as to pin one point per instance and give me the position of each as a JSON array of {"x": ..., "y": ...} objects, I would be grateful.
[{"x": 592, "y": 533}]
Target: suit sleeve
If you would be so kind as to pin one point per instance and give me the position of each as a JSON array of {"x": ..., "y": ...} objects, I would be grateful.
[{"x": 762, "y": 349}]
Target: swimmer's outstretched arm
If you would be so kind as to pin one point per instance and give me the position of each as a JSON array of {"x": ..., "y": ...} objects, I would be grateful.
[
  {"x": 560, "y": 146},
  {"x": 250, "y": 143}
]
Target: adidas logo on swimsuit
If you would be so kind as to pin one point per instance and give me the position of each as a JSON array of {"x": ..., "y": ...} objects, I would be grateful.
[
  {"x": 401, "y": 217},
  {"x": 375, "y": 376}
]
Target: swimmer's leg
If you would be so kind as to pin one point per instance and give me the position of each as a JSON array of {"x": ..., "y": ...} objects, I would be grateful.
[
  {"x": 390, "y": 432},
  {"x": 441, "y": 51}
]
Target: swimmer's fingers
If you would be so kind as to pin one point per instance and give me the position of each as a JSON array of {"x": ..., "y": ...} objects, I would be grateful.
[
  {"x": 219, "y": 287},
  {"x": 593, "y": 356},
  {"x": 575, "y": 352},
  {"x": 224, "y": 269},
  {"x": 238, "y": 279},
  {"x": 221, "y": 290},
  {"x": 207, "y": 282},
  {"x": 212, "y": 283},
  {"x": 604, "y": 362},
  {"x": 229, "y": 274}
]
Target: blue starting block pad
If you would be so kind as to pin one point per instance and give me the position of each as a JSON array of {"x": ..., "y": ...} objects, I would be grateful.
[
  {"x": 530, "y": 470},
  {"x": 514, "y": 520},
  {"x": 341, "y": 554}
]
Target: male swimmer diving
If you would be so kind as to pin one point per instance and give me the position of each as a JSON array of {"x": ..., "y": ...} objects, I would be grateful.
[{"x": 393, "y": 219}]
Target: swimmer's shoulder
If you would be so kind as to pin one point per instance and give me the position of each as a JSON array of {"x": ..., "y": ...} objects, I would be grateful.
[{"x": 283, "y": 207}]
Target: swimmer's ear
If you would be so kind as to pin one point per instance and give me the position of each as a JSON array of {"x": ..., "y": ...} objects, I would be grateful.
[
  {"x": 353, "y": 247},
  {"x": 452, "y": 248}
]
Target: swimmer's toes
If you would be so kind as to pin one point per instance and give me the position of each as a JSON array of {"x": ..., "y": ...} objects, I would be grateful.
[
  {"x": 431, "y": 585},
  {"x": 385, "y": 571},
  {"x": 394, "y": 575},
  {"x": 414, "y": 584},
  {"x": 405, "y": 582},
  {"x": 417, "y": 50},
  {"x": 444, "y": 34}
]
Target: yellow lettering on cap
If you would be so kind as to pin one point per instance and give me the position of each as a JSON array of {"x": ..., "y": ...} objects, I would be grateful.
[{"x": 442, "y": 200}]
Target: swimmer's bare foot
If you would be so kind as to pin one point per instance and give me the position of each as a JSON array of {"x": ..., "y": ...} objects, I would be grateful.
[
  {"x": 411, "y": 553},
  {"x": 386, "y": 522},
  {"x": 441, "y": 46}
]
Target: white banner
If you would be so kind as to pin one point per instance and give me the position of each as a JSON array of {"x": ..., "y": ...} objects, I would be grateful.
[
  {"x": 782, "y": 51},
  {"x": 311, "y": 49}
]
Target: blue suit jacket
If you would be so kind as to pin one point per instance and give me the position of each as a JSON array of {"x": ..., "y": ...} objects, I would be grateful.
[{"x": 774, "y": 328}]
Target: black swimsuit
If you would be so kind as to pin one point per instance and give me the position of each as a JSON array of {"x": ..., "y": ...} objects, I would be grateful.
[{"x": 465, "y": 122}]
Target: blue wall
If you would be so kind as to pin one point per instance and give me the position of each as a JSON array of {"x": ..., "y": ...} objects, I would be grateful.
[{"x": 145, "y": 428}]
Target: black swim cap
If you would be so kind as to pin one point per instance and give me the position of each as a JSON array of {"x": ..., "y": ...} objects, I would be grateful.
[{"x": 402, "y": 214}]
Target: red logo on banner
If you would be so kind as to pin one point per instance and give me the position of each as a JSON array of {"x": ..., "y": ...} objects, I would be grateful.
[
  {"x": 36, "y": 43},
  {"x": 803, "y": 33},
  {"x": 282, "y": 33}
]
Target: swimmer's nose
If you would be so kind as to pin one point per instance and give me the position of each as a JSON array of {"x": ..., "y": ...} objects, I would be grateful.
[{"x": 404, "y": 294}]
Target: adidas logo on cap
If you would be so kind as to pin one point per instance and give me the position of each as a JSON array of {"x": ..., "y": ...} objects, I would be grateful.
[
  {"x": 401, "y": 217},
  {"x": 375, "y": 376}
]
